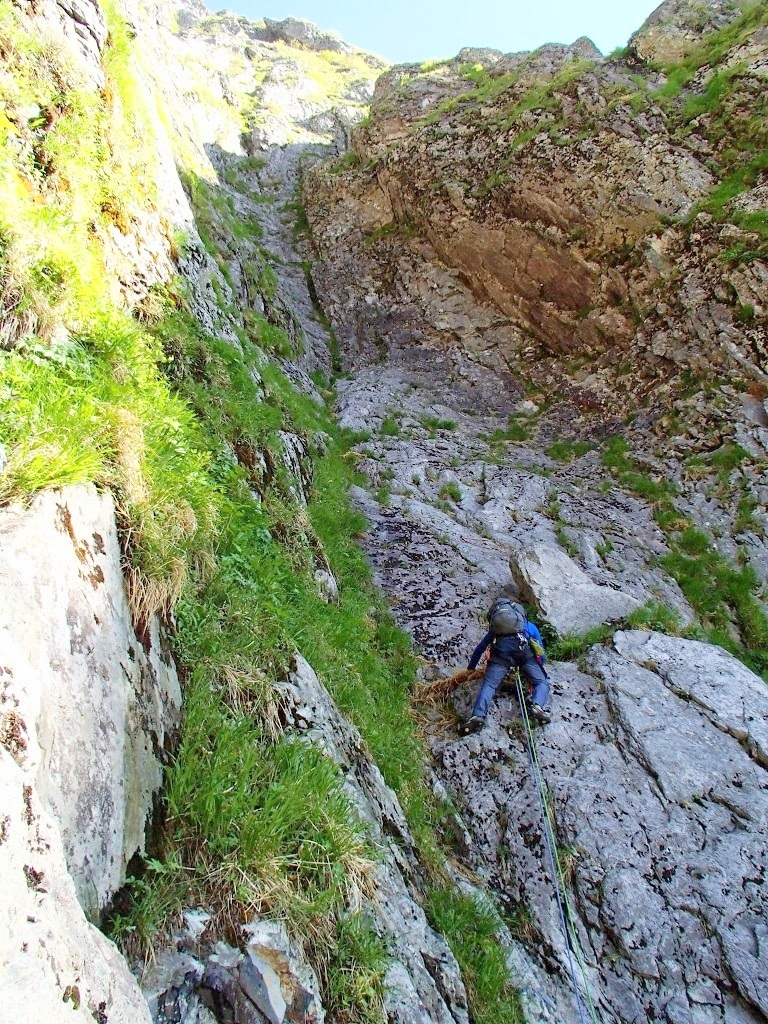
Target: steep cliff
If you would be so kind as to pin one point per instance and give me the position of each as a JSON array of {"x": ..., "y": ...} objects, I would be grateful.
[
  {"x": 547, "y": 274},
  {"x": 545, "y": 277},
  {"x": 154, "y": 313}
]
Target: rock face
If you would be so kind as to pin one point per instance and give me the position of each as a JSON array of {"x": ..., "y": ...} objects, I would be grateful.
[
  {"x": 531, "y": 213},
  {"x": 658, "y": 812},
  {"x": 54, "y": 965},
  {"x": 87, "y": 712},
  {"x": 528, "y": 240},
  {"x": 677, "y": 24},
  {"x": 88, "y": 709},
  {"x": 534, "y": 212}
]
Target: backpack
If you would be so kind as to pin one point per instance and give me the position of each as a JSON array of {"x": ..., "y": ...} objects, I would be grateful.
[{"x": 507, "y": 618}]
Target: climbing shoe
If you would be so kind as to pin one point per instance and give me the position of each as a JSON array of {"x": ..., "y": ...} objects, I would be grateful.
[
  {"x": 473, "y": 724},
  {"x": 542, "y": 715}
]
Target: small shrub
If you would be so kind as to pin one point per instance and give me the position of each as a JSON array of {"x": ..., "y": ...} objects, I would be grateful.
[
  {"x": 571, "y": 646},
  {"x": 391, "y": 427},
  {"x": 567, "y": 451},
  {"x": 434, "y": 423},
  {"x": 451, "y": 490},
  {"x": 657, "y": 617}
]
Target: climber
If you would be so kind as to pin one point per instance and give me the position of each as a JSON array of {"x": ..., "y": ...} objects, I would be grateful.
[{"x": 513, "y": 641}]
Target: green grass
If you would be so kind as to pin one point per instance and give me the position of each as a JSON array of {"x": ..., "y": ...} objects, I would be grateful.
[
  {"x": 515, "y": 430},
  {"x": 390, "y": 426},
  {"x": 433, "y": 424},
  {"x": 571, "y": 646},
  {"x": 450, "y": 490},
  {"x": 567, "y": 451},
  {"x": 185, "y": 429},
  {"x": 657, "y": 617},
  {"x": 258, "y": 822},
  {"x": 472, "y": 928},
  {"x": 724, "y": 597},
  {"x": 615, "y": 457}
]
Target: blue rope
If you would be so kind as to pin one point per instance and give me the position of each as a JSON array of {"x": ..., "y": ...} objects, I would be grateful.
[{"x": 550, "y": 852}]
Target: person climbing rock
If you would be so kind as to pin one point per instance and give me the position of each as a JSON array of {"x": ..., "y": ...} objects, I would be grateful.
[{"x": 513, "y": 642}]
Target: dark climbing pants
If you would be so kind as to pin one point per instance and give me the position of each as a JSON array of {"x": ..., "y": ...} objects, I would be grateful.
[{"x": 531, "y": 670}]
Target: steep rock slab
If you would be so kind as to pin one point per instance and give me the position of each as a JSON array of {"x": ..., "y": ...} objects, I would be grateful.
[
  {"x": 564, "y": 595},
  {"x": 54, "y": 966},
  {"x": 733, "y": 698},
  {"x": 660, "y": 816},
  {"x": 87, "y": 711}
]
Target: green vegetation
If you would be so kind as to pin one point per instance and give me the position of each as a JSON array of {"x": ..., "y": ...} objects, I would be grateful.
[
  {"x": 655, "y": 616},
  {"x": 432, "y": 424},
  {"x": 450, "y": 491},
  {"x": 472, "y": 929},
  {"x": 615, "y": 456},
  {"x": 571, "y": 646},
  {"x": 730, "y": 110},
  {"x": 391, "y": 427},
  {"x": 515, "y": 431},
  {"x": 488, "y": 89},
  {"x": 567, "y": 451},
  {"x": 184, "y": 428},
  {"x": 724, "y": 597}
]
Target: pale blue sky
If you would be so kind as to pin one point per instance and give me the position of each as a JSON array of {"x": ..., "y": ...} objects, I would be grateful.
[{"x": 417, "y": 30}]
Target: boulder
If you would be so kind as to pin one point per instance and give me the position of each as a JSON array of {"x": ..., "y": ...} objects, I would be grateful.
[
  {"x": 732, "y": 697},
  {"x": 260, "y": 982},
  {"x": 271, "y": 955},
  {"x": 564, "y": 595}
]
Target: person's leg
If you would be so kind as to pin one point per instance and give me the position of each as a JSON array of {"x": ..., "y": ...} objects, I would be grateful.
[
  {"x": 534, "y": 673},
  {"x": 493, "y": 676}
]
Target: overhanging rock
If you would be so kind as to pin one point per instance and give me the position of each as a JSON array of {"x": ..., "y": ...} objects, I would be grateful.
[{"x": 564, "y": 595}]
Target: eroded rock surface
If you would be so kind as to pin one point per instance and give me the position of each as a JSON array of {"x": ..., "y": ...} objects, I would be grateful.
[
  {"x": 654, "y": 760},
  {"x": 93, "y": 707},
  {"x": 86, "y": 714}
]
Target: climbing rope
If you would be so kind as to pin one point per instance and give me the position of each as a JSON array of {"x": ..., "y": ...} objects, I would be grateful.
[{"x": 567, "y": 923}]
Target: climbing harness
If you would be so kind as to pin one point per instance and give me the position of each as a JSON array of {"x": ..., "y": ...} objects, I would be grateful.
[{"x": 567, "y": 923}]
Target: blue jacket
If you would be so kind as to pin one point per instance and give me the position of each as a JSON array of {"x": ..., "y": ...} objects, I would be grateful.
[{"x": 498, "y": 652}]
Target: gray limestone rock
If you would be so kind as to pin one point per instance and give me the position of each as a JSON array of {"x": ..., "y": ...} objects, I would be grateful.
[
  {"x": 268, "y": 943},
  {"x": 169, "y": 986},
  {"x": 54, "y": 965},
  {"x": 261, "y": 984},
  {"x": 95, "y": 707},
  {"x": 565, "y": 596},
  {"x": 659, "y": 811}
]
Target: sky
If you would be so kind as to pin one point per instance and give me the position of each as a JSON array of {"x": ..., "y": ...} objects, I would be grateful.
[{"x": 406, "y": 31}]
